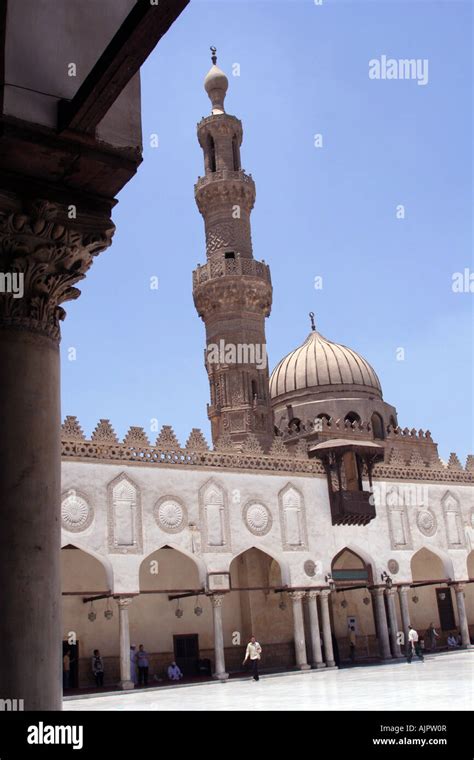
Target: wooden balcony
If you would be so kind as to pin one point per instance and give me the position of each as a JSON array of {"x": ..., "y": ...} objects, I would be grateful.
[{"x": 351, "y": 507}]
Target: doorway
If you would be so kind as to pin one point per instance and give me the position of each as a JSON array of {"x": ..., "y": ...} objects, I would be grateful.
[
  {"x": 445, "y": 609},
  {"x": 186, "y": 653}
]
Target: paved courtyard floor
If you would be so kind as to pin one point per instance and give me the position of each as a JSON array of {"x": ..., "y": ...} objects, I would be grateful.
[{"x": 441, "y": 682}]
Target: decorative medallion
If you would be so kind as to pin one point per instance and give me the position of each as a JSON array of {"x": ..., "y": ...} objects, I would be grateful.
[
  {"x": 170, "y": 514},
  {"x": 310, "y": 568},
  {"x": 426, "y": 522},
  {"x": 393, "y": 566},
  {"x": 76, "y": 513},
  {"x": 258, "y": 519},
  {"x": 366, "y": 600}
]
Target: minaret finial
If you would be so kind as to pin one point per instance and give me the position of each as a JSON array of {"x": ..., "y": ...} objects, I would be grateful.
[
  {"x": 213, "y": 56},
  {"x": 311, "y": 316}
]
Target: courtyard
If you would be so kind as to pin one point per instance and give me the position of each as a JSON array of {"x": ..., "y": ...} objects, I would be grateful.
[{"x": 441, "y": 682}]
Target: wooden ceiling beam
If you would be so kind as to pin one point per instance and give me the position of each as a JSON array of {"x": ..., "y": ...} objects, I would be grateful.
[{"x": 139, "y": 34}]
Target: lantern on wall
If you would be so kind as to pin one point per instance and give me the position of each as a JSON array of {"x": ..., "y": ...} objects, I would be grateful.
[
  {"x": 92, "y": 616},
  {"x": 366, "y": 600},
  {"x": 179, "y": 611},
  {"x": 108, "y": 613},
  {"x": 197, "y": 608},
  {"x": 415, "y": 599},
  {"x": 282, "y": 603}
]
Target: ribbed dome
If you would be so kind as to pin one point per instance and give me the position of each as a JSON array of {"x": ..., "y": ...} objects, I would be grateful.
[{"x": 320, "y": 365}]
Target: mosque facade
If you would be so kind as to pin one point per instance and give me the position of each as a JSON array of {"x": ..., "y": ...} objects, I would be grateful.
[{"x": 312, "y": 511}]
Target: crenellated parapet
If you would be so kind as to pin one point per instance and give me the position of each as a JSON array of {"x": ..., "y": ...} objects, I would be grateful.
[{"x": 104, "y": 445}]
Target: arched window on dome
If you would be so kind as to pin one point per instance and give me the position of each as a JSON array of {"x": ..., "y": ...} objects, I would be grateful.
[
  {"x": 352, "y": 417},
  {"x": 294, "y": 425},
  {"x": 377, "y": 426}
]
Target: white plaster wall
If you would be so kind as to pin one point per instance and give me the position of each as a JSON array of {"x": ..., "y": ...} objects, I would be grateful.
[{"x": 373, "y": 542}]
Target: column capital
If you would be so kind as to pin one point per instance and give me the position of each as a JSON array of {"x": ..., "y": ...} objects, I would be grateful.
[
  {"x": 377, "y": 590},
  {"x": 43, "y": 254},
  {"x": 403, "y": 589},
  {"x": 124, "y": 601},
  {"x": 312, "y": 594},
  {"x": 390, "y": 591},
  {"x": 325, "y": 593},
  {"x": 296, "y": 596},
  {"x": 459, "y": 587},
  {"x": 217, "y": 599}
]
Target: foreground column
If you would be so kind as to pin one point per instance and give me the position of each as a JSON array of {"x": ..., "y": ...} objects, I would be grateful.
[
  {"x": 317, "y": 655},
  {"x": 463, "y": 625},
  {"x": 326, "y": 623},
  {"x": 393, "y": 622},
  {"x": 219, "y": 673},
  {"x": 298, "y": 630},
  {"x": 381, "y": 620},
  {"x": 403, "y": 599},
  {"x": 124, "y": 633},
  {"x": 40, "y": 261}
]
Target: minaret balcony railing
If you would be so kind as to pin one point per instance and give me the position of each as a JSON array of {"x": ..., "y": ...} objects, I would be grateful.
[
  {"x": 223, "y": 174},
  {"x": 231, "y": 267}
]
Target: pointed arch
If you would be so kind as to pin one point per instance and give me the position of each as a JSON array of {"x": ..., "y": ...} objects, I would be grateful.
[
  {"x": 365, "y": 570},
  {"x": 103, "y": 560},
  {"x": 198, "y": 564},
  {"x": 281, "y": 561},
  {"x": 438, "y": 565}
]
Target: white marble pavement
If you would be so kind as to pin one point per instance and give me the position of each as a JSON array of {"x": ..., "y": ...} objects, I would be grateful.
[{"x": 441, "y": 682}]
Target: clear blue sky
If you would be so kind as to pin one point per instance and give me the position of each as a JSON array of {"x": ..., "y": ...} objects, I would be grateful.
[{"x": 330, "y": 211}]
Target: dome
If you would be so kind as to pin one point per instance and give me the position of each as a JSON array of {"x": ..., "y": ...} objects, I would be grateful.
[
  {"x": 323, "y": 367},
  {"x": 216, "y": 84}
]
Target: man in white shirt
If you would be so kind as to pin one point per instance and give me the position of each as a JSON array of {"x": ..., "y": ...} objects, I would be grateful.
[
  {"x": 413, "y": 644},
  {"x": 253, "y": 651},
  {"x": 174, "y": 673}
]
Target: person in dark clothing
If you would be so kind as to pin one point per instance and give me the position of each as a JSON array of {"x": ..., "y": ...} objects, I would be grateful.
[{"x": 98, "y": 668}]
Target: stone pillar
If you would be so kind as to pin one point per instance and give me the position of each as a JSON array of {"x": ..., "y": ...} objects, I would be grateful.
[
  {"x": 317, "y": 656},
  {"x": 403, "y": 599},
  {"x": 124, "y": 633},
  {"x": 381, "y": 620},
  {"x": 219, "y": 672},
  {"x": 326, "y": 623},
  {"x": 41, "y": 259},
  {"x": 298, "y": 629},
  {"x": 393, "y": 622},
  {"x": 462, "y": 617}
]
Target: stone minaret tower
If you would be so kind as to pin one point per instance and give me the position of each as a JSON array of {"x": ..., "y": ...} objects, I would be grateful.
[{"x": 232, "y": 292}]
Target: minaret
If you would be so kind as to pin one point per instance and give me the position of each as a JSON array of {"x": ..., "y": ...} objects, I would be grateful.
[{"x": 232, "y": 292}]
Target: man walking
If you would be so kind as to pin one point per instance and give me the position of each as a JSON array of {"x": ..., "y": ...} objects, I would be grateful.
[
  {"x": 254, "y": 650},
  {"x": 413, "y": 644}
]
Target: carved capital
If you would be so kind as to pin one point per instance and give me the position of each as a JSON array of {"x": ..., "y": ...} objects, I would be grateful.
[
  {"x": 458, "y": 587},
  {"x": 124, "y": 602},
  {"x": 310, "y": 595},
  {"x": 217, "y": 599},
  {"x": 43, "y": 257},
  {"x": 296, "y": 596}
]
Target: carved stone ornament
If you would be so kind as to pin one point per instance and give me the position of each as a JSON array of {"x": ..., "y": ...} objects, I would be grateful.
[
  {"x": 170, "y": 514},
  {"x": 48, "y": 258},
  {"x": 258, "y": 519},
  {"x": 426, "y": 522},
  {"x": 310, "y": 568},
  {"x": 76, "y": 512},
  {"x": 393, "y": 566}
]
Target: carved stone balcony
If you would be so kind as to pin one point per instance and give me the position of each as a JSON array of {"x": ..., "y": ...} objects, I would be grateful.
[{"x": 231, "y": 267}]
